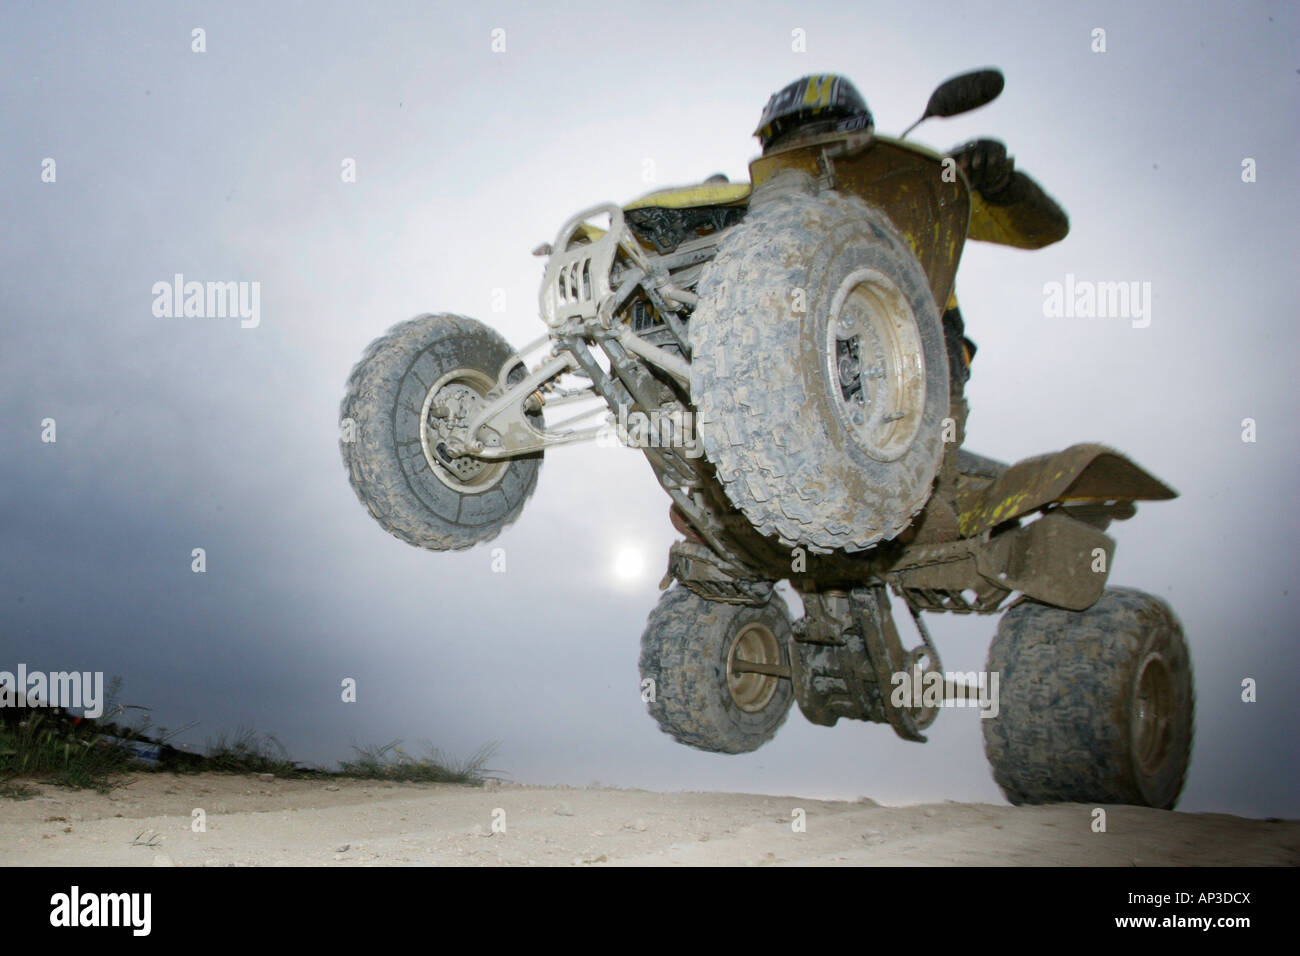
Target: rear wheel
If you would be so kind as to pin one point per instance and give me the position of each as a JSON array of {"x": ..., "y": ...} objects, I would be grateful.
[
  {"x": 1095, "y": 706},
  {"x": 415, "y": 388},
  {"x": 700, "y": 656},
  {"x": 819, "y": 372}
]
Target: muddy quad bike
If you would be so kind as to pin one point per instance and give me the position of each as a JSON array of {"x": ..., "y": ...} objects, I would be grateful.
[{"x": 775, "y": 349}]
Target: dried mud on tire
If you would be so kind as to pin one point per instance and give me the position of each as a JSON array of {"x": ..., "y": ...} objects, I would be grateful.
[
  {"x": 684, "y": 651},
  {"x": 386, "y": 464},
  {"x": 1068, "y": 726},
  {"x": 768, "y": 417}
]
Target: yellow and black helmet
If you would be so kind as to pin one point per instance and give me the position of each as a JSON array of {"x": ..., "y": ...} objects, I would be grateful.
[{"x": 821, "y": 103}]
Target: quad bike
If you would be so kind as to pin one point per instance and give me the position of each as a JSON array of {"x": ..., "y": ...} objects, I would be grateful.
[{"x": 775, "y": 349}]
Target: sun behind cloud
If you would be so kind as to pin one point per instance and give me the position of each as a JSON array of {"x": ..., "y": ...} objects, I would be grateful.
[{"x": 629, "y": 563}]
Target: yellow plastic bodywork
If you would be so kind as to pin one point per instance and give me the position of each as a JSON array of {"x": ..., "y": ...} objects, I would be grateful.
[
  {"x": 687, "y": 197},
  {"x": 1084, "y": 473},
  {"x": 903, "y": 179},
  {"x": 906, "y": 182},
  {"x": 589, "y": 232},
  {"x": 680, "y": 197}
]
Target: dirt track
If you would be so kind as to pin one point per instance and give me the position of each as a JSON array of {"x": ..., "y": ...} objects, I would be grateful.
[{"x": 251, "y": 821}]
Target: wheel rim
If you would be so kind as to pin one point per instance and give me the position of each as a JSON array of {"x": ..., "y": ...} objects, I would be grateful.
[
  {"x": 753, "y": 644},
  {"x": 449, "y": 405},
  {"x": 1152, "y": 714},
  {"x": 875, "y": 364}
]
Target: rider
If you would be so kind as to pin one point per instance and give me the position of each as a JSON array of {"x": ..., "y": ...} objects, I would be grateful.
[{"x": 1015, "y": 210}]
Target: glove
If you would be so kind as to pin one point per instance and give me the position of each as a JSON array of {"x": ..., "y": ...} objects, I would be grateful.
[{"x": 986, "y": 165}]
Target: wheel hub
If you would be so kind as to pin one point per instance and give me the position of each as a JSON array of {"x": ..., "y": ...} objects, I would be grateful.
[
  {"x": 449, "y": 406},
  {"x": 754, "y": 644},
  {"x": 1152, "y": 713},
  {"x": 875, "y": 364}
]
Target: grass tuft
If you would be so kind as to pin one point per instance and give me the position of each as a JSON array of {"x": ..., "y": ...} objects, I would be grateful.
[
  {"x": 52, "y": 746},
  {"x": 247, "y": 751},
  {"x": 48, "y": 748},
  {"x": 391, "y": 762}
]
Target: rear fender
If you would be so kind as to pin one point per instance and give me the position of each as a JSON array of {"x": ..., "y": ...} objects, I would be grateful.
[{"x": 1081, "y": 474}]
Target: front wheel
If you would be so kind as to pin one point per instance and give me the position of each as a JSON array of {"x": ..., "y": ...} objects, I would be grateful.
[
  {"x": 407, "y": 396},
  {"x": 704, "y": 662}
]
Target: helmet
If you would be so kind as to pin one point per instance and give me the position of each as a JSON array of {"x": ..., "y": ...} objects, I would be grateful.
[{"x": 824, "y": 102}]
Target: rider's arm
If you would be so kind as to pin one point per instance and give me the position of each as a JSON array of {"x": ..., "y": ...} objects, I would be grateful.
[{"x": 1008, "y": 207}]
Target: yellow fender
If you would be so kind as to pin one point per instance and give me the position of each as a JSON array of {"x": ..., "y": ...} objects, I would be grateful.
[{"x": 1080, "y": 473}]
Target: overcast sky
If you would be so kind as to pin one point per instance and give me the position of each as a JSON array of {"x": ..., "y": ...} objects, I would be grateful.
[{"x": 177, "y": 433}]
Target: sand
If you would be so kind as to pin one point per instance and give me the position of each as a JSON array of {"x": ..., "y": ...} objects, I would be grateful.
[{"x": 251, "y": 821}]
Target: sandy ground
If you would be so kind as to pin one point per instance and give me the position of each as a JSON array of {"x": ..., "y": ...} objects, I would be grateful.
[{"x": 266, "y": 822}]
